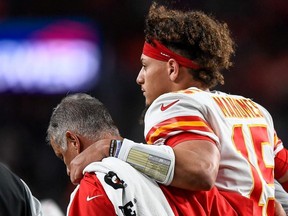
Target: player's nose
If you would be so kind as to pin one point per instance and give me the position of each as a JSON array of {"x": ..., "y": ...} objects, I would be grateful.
[{"x": 140, "y": 79}]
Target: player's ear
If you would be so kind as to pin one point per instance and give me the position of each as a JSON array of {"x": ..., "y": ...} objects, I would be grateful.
[
  {"x": 73, "y": 141},
  {"x": 173, "y": 69}
]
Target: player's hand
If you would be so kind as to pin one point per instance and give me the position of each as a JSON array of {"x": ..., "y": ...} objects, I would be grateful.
[{"x": 95, "y": 152}]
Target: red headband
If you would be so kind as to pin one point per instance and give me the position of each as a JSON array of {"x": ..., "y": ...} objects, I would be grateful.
[{"x": 162, "y": 53}]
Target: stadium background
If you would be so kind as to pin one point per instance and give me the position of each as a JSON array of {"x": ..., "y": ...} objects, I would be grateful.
[{"x": 259, "y": 27}]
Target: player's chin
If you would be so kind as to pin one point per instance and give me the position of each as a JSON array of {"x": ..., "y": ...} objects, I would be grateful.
[{"x": 147, "y": 101}]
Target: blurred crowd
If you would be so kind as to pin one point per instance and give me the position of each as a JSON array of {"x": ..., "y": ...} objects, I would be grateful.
[{"x": 259, "y": 28}]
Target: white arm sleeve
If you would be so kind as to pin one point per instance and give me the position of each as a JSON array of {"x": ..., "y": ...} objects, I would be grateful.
[
  {"x": 281, "y": 195},
  {"x": 157, "y": 162}
]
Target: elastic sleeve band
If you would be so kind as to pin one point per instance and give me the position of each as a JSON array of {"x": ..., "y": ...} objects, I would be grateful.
[{"x": 157, "y": 162}]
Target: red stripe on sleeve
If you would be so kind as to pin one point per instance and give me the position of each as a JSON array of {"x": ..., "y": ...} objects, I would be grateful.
[
  {"x": 174, "y": 140},
  {"x": 181, "y": 124}
]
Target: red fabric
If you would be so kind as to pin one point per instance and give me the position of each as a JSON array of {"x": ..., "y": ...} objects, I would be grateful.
[
  {"x": 205, "y": 203},
  {"x": 285, "y": 185},
  {"x": 162, "y": 53},
  {"x": 84, "y": 204},
  {"x": 175, "y": 124},
  {"x": 218, "y": 202},
  {"x": 173, "y": 141},
  {"x": 281, "y": 163}
]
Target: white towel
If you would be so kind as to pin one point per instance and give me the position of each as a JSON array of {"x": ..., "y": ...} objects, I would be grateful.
[{"x": 140, "y": 195}]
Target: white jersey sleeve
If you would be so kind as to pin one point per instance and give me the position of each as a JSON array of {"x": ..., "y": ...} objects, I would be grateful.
[{"x": 173, "y": 114}]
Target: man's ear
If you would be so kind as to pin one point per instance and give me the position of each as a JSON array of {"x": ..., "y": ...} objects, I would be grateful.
[
  {"x": 73, "y": 140},
  {"x": 173, "y": 69}
]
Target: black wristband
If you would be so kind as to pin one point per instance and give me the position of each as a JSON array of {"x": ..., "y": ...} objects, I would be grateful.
[
  {"x": 115, "y": 147},
  {"x": 112, "y": 148}
]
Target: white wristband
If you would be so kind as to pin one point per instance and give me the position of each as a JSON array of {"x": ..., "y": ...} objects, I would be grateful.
[{"x": 157, "y": 162}]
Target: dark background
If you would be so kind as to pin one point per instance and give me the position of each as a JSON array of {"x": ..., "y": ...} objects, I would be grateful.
[{"x": 259, "y": 27}]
